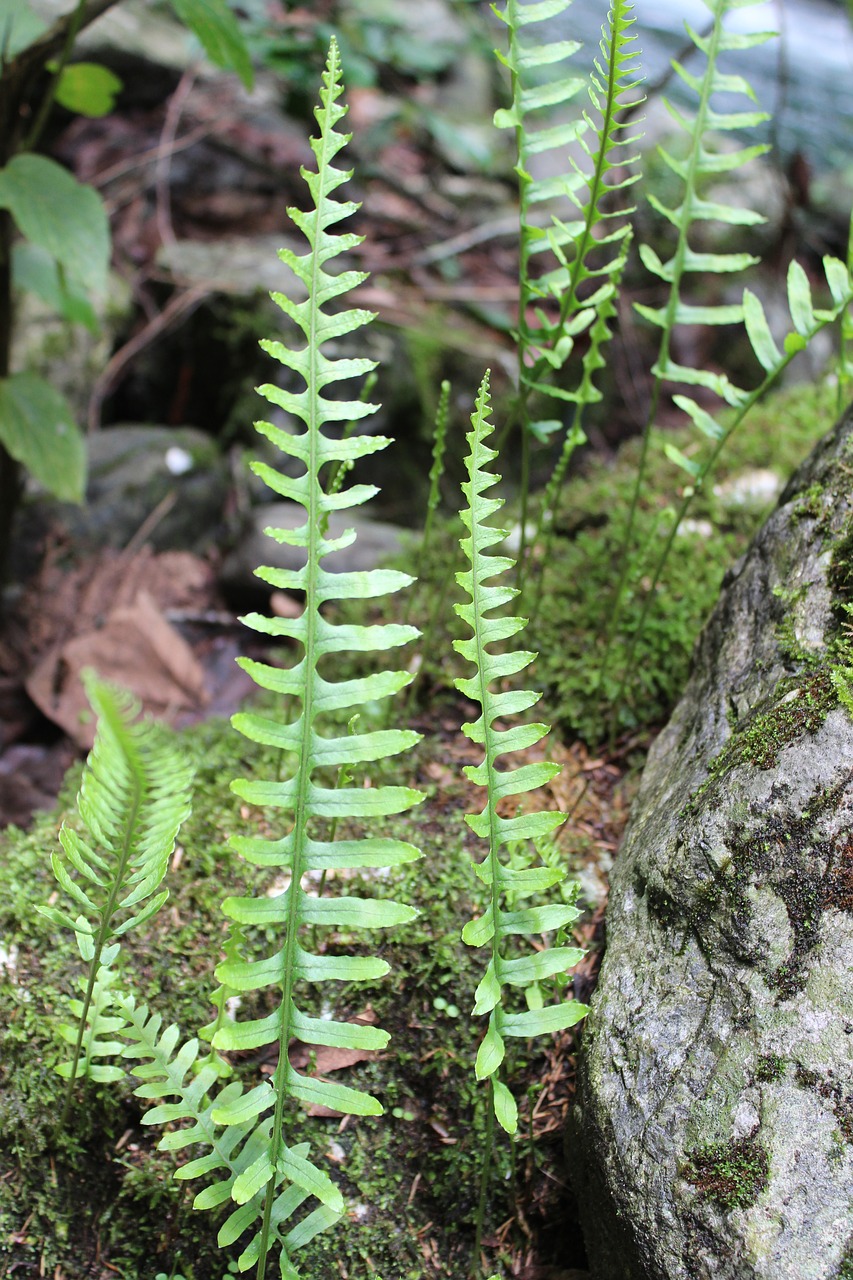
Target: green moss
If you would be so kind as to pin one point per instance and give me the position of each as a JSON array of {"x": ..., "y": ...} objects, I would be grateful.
[
  {"x": 732, "y": 1174},
  {"x": 770, "y": 1067}
]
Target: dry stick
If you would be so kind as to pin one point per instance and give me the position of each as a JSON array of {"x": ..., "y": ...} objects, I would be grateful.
[
  {"x": 124, "y": 167},
  {"x": 165, "y": 149},
  {"x": 181, "y": 305}
]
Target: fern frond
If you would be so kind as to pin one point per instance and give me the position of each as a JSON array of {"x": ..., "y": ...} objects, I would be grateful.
[
  {"x": 310, "y": 802},
  {"x": 807, "y": 322},
  {"x": 96, "y": 1019},
  {"x": 705, "y": 160},
  {"x": 588, "y": 252},
  {"x": 133, "y": 799},
  {"x": 498, "y": 923}
]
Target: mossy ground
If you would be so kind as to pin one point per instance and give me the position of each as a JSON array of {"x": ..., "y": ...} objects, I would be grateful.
[
  {"x": 570, "y": 624},
  {"x": 96, "y": 1199}
]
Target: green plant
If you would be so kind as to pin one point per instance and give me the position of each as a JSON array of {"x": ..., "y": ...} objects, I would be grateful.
[
  {"x": 578, "y": 295},
  {"x": 62, "y": 251},
  {"x": 133, "y": 799},
  {"x": 498, "y": 926}
]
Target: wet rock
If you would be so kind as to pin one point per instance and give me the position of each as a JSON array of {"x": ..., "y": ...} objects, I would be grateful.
[
  {"x": 164, "y": 486},
  {"x": 714, "y": 1127}
]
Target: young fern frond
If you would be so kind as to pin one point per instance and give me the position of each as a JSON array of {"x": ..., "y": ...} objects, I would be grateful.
[
  {"x": 701, "y": 164},
  {"x": 281, "y": 1177},
  {"x": 134, "y": 796},
  {"x": 498, "y": 924}
]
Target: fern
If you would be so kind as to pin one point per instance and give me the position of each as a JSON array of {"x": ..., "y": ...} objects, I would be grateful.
[
  {"x": 133, "y": 799},
  {"x": 701, "y": 164},
  {"x": 280, "y": 1176},
  {"x": 499, "y": 925},
  {"x": 807, "y": 323},
  {"x": 587, "y": 253}
]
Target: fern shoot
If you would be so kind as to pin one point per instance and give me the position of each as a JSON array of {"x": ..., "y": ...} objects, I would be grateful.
[
  {"x": 499, "y": 926},
  {"x": 280, "y": 1177},
  {"x": 133, "y": 798}
]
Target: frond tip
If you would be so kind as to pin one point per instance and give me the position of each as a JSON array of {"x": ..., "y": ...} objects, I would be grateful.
[{"x": 498, "y": 924}]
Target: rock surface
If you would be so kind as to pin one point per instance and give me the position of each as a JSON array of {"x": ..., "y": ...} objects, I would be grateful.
[{"x": 713, "y": 1135}]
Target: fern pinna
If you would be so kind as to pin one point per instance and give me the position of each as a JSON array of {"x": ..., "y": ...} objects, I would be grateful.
[
  {"x": 498, "y": 926},
  {"x": 281, "y": 1176},
  {"x": 133, "y": 798}
]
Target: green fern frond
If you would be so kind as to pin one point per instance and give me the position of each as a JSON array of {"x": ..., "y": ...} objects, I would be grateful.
[
  {"x": 133, "y": 799},
  {"x": 96, "y": 1019},
  {"x": 807, "y": 322},
  {"x": 703, "y": 163},
  {"x": 498, "y": 923},
  {"x": 282, "y": 1177}
]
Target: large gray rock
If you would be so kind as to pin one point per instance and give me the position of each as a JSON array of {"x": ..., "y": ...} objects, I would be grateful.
[{"x": 713, "y": 1134}]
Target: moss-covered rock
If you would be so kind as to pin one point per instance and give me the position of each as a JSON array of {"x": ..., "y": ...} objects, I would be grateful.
[{"x": 718, "y": 1081}]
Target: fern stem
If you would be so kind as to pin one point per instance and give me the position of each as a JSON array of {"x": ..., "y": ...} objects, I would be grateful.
[{"x": 485, "y": 1171}]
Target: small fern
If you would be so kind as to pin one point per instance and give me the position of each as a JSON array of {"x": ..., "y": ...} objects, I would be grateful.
[
  {"x": 499, "y": 925},
  {"x": 133, "y": 799}
]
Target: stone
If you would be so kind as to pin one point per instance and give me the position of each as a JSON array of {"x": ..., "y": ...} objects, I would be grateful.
[
  {"x": 375, "y": 542},
  {"x": 165, "y": 486},
  {"x": 712, "y": 1136}
]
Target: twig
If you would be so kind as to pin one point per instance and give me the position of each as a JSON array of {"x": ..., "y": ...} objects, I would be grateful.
[
  {"x": 177, "y": 307},
  {"x": 165, "y": 149}
]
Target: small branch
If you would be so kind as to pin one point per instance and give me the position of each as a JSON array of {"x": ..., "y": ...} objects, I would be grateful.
[{"x": 181, "y": 305}]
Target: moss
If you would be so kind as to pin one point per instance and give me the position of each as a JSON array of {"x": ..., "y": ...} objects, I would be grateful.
[
  {"x": 732, "y": 1174},
  {"x": 832, "y": 1091},
  {"x": 770, "y": 1067}
]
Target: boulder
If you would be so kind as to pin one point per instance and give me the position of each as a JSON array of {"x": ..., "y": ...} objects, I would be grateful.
[{"x": 713, "y": 1133}]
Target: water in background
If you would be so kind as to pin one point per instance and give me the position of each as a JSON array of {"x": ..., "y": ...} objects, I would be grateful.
[{"x": 804, "y": 78}]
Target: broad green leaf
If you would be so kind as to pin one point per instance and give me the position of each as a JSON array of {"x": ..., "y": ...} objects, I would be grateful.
[
  {"x": 87, "y": 88},
  {"x": 56, "y": 212},
  {"x": 491, "y": 1052},
  {"x": 506, "y": 1110},
  {"x": 35, "y": 269},
  {"x": 213, "y": 22},
  {"x": 488, "y": 993},
  {"x": 38, "y": 430}
]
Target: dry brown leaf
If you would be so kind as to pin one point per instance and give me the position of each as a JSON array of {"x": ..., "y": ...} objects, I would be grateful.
[{"x": 136, "y": 648}]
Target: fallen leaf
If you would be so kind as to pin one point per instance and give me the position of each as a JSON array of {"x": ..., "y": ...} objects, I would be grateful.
[{"x": 136, "y": 648}]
